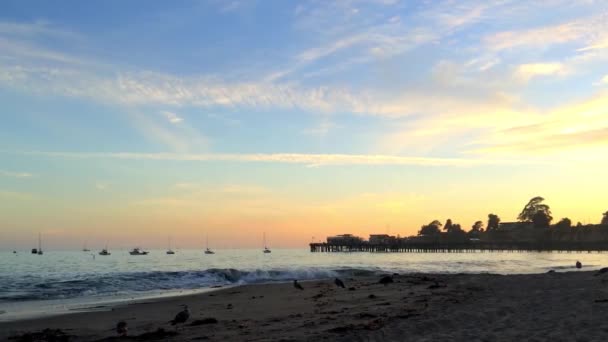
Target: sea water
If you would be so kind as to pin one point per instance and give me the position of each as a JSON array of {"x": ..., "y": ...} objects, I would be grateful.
[{"x": 64, "y": 281}]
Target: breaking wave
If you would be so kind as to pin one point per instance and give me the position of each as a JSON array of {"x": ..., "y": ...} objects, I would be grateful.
[{"x": 32, "y": 288}]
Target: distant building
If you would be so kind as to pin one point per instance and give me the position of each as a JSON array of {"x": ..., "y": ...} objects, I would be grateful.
[
  {"x": 344, "y": 239},
  {"x": 510, "y": 226},
  {"x": 381, "y": 239}
]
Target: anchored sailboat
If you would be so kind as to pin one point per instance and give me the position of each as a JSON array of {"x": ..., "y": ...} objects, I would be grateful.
[
  {"x": 138, "y": 251},
  {"x": 207, "y": 250},
  {"x": 39, "y": 244},
  {"x": 104, "y": 251},
  {"x": 266, "y": 250},
  {"x": 170, "y": 251},
  {"x": 84, "y": 247}
]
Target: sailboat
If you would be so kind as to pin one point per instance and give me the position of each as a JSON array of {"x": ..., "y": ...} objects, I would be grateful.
[
  {"x": 207, "y": 250},
  {"x": 84, "y": 248},
  {"x": 170, "y": 251},
  {"x": 266, "y": 250},
  {"x": 104, "y": 251},
  {"x": 39, "y": 244},
  {"x": 138, "y": 251}
]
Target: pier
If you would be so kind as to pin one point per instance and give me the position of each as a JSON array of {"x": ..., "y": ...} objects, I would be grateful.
[{"x": 462, "y": 247}]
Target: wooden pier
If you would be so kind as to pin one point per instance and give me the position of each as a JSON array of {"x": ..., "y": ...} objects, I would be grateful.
[{"x": 463, "y": 247}]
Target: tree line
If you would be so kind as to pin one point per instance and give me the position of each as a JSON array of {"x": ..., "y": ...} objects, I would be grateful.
[{"x": 535, "y": 213}]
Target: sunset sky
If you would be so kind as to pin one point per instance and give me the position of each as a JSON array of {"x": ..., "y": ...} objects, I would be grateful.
[{"x": 132, "y": 121}]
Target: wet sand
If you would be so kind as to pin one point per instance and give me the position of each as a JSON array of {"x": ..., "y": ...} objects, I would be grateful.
[{"x": 543, "y": 307}]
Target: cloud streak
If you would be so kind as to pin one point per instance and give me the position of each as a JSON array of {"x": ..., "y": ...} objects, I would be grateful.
[
  {"x": 311, "y": 160},
  {"x": 16, "y": 174}
]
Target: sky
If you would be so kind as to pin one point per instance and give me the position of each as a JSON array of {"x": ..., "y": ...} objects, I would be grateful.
[{"x": 126, "y": 122}]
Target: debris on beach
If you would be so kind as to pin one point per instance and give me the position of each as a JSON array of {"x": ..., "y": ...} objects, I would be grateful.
[
  {"x": 48, "y": 335},
  {"x": 160, "y": 333},
  {"x": 204, "y": 321}
]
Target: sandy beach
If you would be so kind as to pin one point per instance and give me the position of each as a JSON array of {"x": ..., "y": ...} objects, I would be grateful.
[{"x": 417, "y": 307}]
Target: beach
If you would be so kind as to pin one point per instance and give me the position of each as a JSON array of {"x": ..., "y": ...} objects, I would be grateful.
[{"x": 569, "y": 306}]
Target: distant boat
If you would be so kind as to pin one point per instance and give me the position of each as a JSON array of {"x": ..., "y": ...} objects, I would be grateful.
[
  {"x": 84, "y": 248},
  {"x": 170, "y": 251},
  {"x": 207, "y": 250},
  {"x": 14, "y": 252},
  {"x": 104, "y": 251},
  {"x": 34, "y": 250},
  {"x": 138, "y": 251},
  {"x": 39, "y": 245},
  {"x": 266, "y": 250}
]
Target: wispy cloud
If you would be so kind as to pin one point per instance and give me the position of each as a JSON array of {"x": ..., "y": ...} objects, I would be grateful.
[
  {"x": 288, "y": 158},
  {"x": 582, "y": 32},
  {"x": 526, "y": 72},
  {"x": 16, "y": 174},
  {"x": 172, "y": 117},
  {"x": 579, "y": 127},
  {"x": 37, "y": 28},
  {"x": 102, "y": 186}
]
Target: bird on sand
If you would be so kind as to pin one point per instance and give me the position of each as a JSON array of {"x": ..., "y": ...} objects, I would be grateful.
[
  {"x": 121, "y": 328},
  {"x": 386, "y": 280},
  {"x": 181, "y": 316},
  {"x": 339, "y": 283},
  {"x": 297, "y": 285},
  {"x": 579, "y": 265}
]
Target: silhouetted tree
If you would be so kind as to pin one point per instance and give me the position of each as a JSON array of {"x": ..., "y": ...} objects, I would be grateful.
[
  {"x": 477, "y": 226},
  {"x": 493, "y": 221},
  {"x": 455, "y": 228},
  {"x": 476, "y": 229},
  {"x": 564, "y": 223},
  {"x": 432, "y": 228},
  {"x": 531, "y": 209},
  {"x": 605, "y": 219},
  {"x": 541, "y": 219},
  {"x": 448, "y": 225}
]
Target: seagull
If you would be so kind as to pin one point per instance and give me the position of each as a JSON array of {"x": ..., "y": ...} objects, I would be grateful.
[
  {"x": 386, "y": 280},
  {"x": 121, "y": 328},
  {"x": 181, "y": 316},
  {"x": 297, "y": 285},
  {"x": 579, "y": 265},
  {"x": 339, "y": 283}
]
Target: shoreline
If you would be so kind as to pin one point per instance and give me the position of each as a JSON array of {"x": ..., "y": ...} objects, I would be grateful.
[
  {"x": 88, "y": 304},
  {"x": 560, "y": 306}
]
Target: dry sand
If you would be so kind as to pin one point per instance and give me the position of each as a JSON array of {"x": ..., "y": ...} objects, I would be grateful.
[{"x": 543, "y": 307}]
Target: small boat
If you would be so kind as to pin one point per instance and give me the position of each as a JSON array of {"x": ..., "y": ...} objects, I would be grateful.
[
  {"x": 104, "y": 252},
  {"x": 138, "y": 251},
  {"x": 34, "y": 250},
  {"x": 84, "y": 248},
  {"x": 14, "y": 252},
  {"x": 266, "y": 250},
  {"x": 170, "y": 251},
  {"x": 39, "y": 245},
  {"x": 207, "y": 250}
]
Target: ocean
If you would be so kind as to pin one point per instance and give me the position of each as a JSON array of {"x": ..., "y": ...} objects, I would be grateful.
[{"x": 67, "y": 281}]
